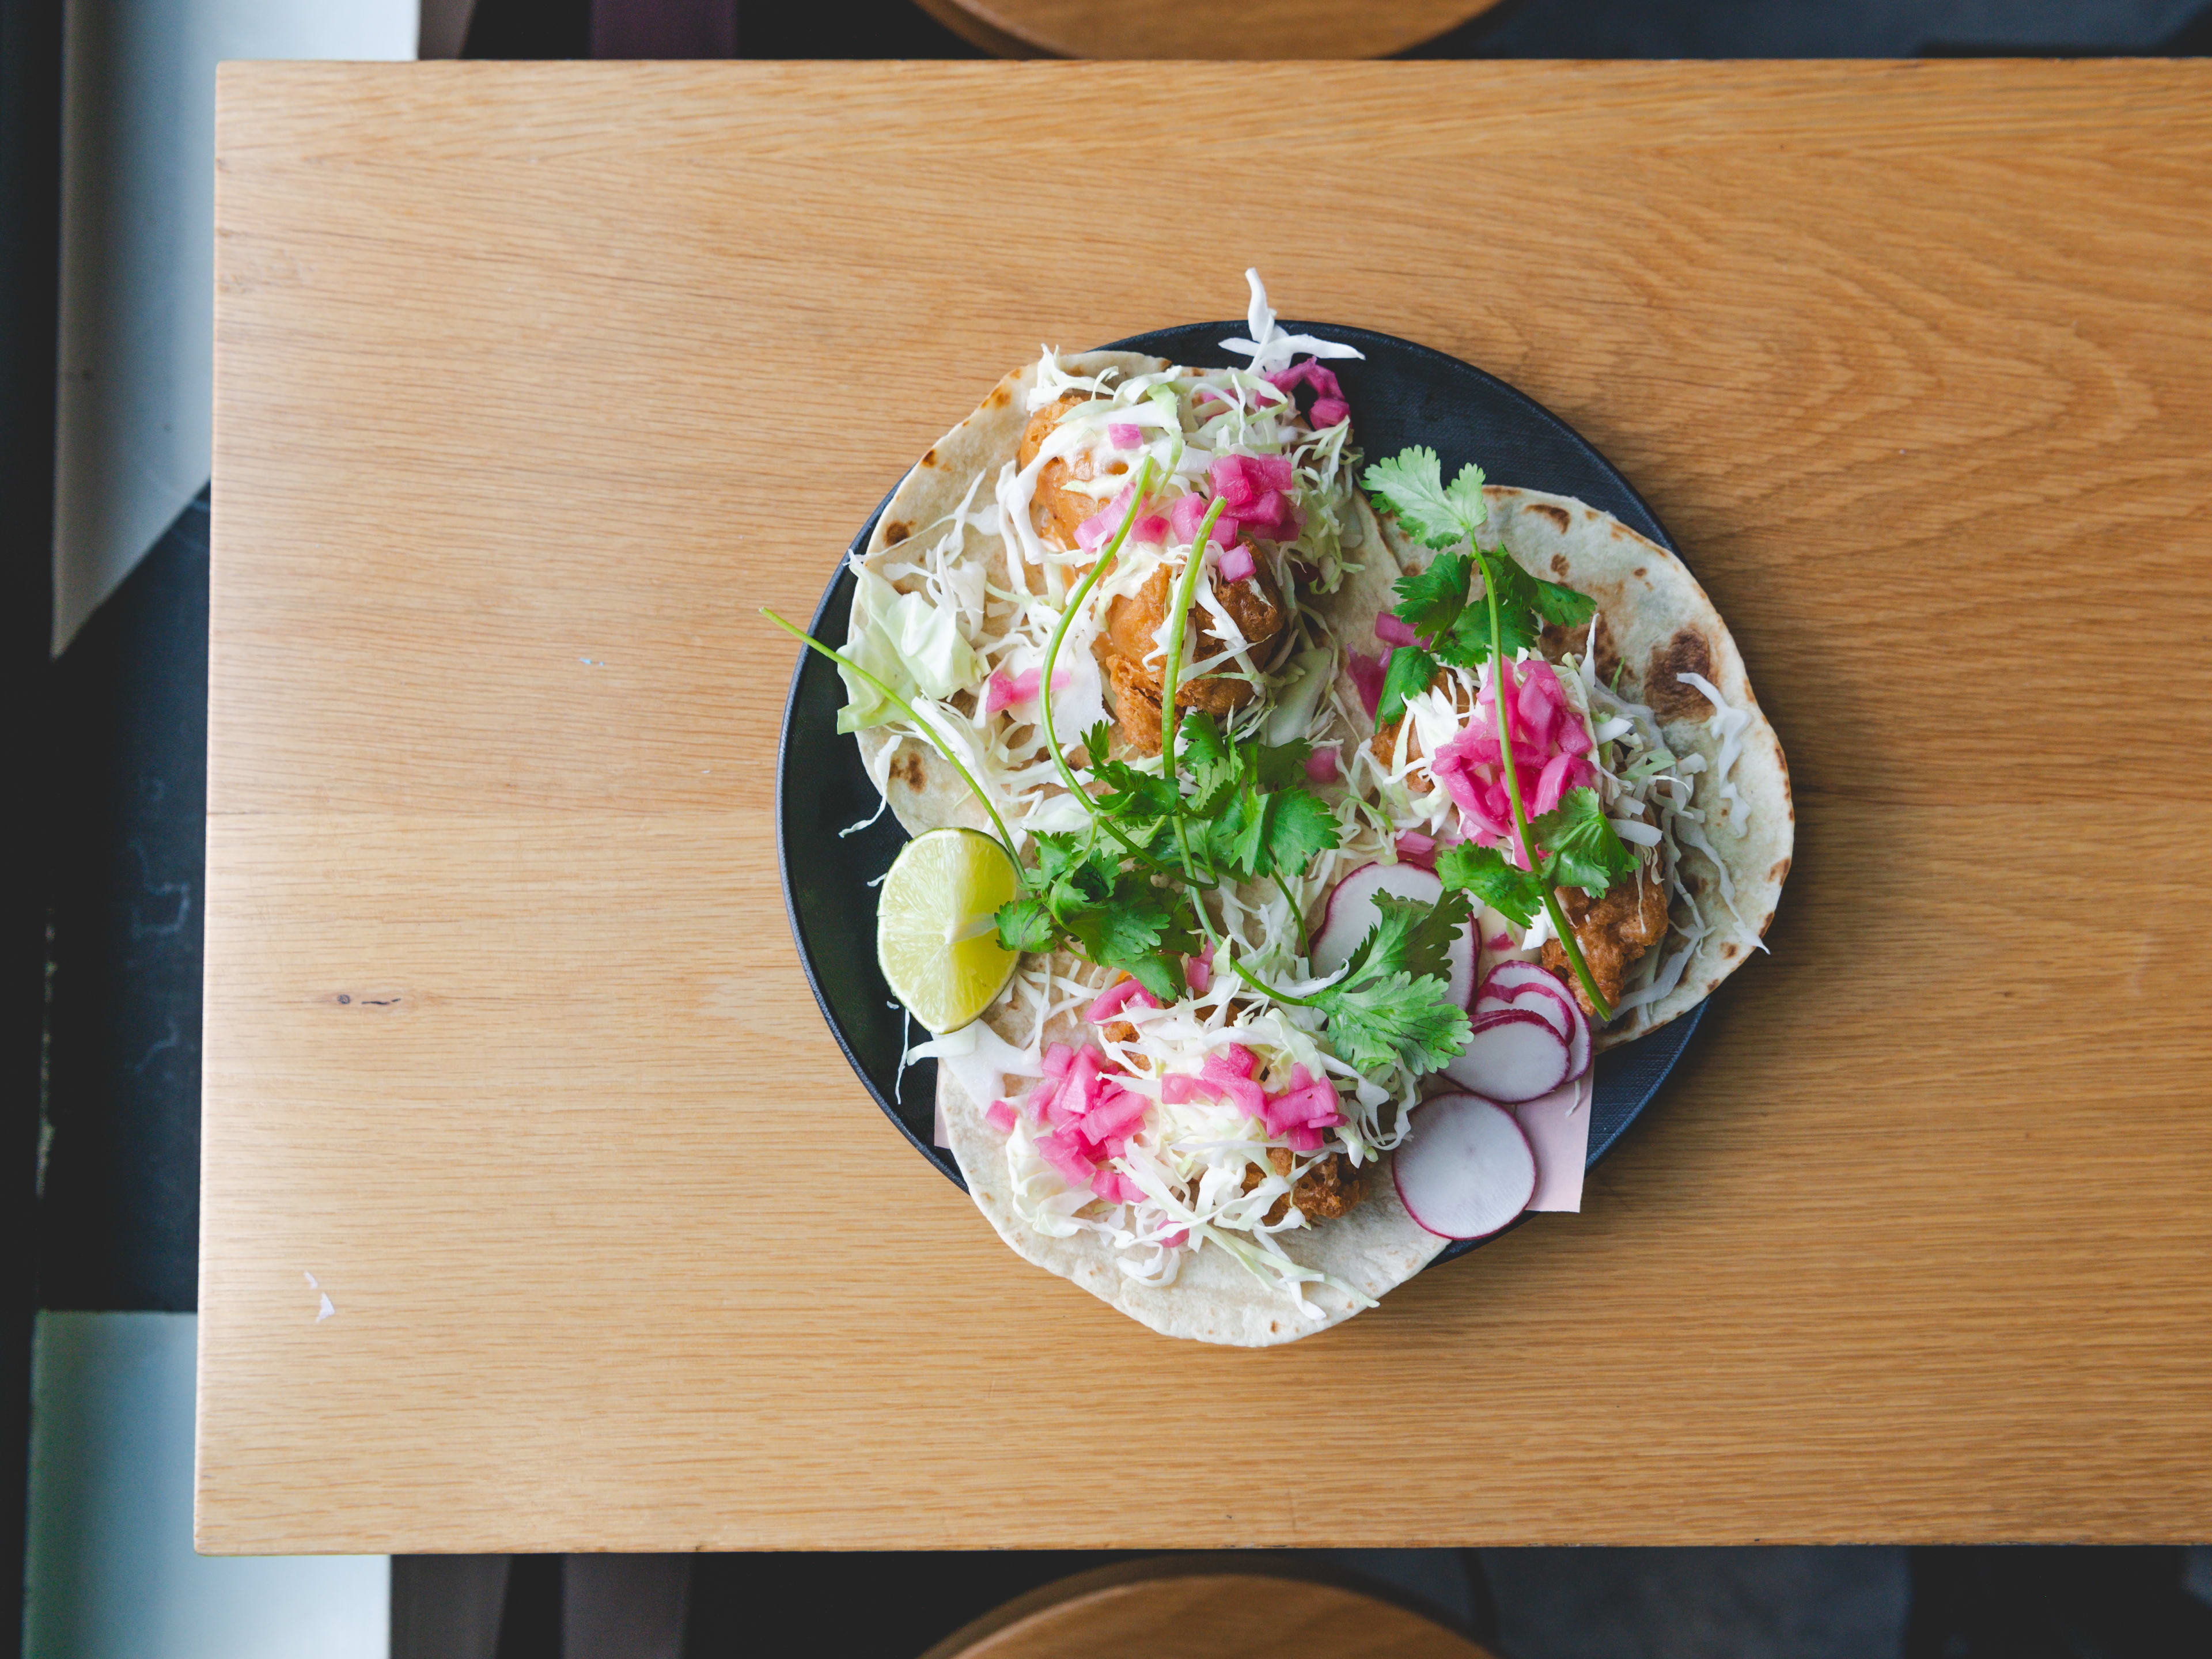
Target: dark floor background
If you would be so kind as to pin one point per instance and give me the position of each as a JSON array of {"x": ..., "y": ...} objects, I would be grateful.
[{"x": 100, "y": 984}]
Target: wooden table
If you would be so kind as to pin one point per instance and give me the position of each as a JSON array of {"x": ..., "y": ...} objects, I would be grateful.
[
  {"x": 533, "y": 381},
  {"x": 1200, "y": 28}
]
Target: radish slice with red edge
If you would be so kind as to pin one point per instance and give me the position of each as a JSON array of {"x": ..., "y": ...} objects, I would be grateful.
[
  {"x": 1519, "y": 982},
  {"x": 1352, "y": 912},
  {"x": 1466, "y": 1169},
  {"x": 1512, "y": 1056},
  {"x": 1547, "y": 1008}
]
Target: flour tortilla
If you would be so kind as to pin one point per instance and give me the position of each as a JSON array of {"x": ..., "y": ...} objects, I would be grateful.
[
  {"x": 924, "y": 792},
  {"x": 1374, "y": 1248},
  {"x": 1654, "y": 615}
]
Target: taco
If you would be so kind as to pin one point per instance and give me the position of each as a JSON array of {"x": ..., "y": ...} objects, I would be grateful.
[{"x": 1279, "y": 886}]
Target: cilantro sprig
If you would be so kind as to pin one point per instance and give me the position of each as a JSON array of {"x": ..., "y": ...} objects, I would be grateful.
[{"x": 1438, "y": 604}]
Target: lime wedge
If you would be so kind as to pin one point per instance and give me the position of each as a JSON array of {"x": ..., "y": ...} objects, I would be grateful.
[{"x": 935, "y": 937}]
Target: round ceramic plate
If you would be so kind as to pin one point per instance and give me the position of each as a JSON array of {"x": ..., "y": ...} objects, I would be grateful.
[{"x": 1400, "y": 393}]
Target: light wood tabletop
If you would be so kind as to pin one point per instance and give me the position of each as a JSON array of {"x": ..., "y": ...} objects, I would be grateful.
[
  {"x": 533, "y": 381},
  {"x": 1200, "y": 28}
]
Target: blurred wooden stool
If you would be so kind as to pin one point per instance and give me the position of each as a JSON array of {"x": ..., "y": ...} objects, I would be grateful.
[
  {"x": 1164, "y": 1609},
  {"x": 1200, "y": 28}
]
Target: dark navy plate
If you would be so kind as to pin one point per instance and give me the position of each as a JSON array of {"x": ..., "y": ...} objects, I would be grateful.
[{"x": 1400, "y": 393}]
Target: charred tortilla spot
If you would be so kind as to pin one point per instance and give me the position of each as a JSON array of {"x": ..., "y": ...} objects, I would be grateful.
[
  {"x": 1558, "y": 515},
  {"x": 1686, "y": 653},
  {"x": 929, "y": 458},
  {"x": 899, "y": 530},
  {"x": 1781, "y": 869},
  {"x": 1728, "y": 949},
  {"x": 1639, "y": 576},
  {"x": 1558, "y": 563},
  {"x": 907, "y": 768},
  {"x": 998, "y": 399}
]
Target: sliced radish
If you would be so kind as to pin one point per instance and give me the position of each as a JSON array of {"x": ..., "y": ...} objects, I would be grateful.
[
  {"x": 1520, "y": 983},
  {"x": 1352, "y": 912},
  {"x": 1514, "y": 1055},
  {"x": 1466, "y": 1169},
  {"x": 1548, "y": 1008}
]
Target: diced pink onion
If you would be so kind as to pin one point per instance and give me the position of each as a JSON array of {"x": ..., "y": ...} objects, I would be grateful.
[
  {"x": 1237, "y": 1059},
  {"x": 1057, "y": 1059},
  {"x": 1117, "y": 997},
  {"x": 1125, "y": 434},
  {"x": 1258, "y": 490},
  {"x": 1000, "y": 1116},
  {"x": 1150, "y": 528},
  {"x": 1304, "y": 1139},
  {"x": 1553, "y": 784},
  {"x": 1180, "y": 1088},
  {"x": 1198, "y": 971},
  {"x": 1119, "y": 1113},
  {"x": 1176, "y": 1239},
  {"x": 1328, "y": 412},
  {"x": 1004, "y": 690},
  {"x": 1321, "y": 766},
  {"x": 1366, "y": 674},
  {"x": 1236, "y": 1088},
  {"x": 1416, "y": 848},
  {"x": 1236, "y": 565},
  {"x": 1095, "y": 531},
  {"x": 1391, "y": 631},
  {"x": 1313, "y": 373},
  {"x": 1061, "y": 1150}
]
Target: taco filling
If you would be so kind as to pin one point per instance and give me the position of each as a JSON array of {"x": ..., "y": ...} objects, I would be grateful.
[{"x": 1333, "y": 790}]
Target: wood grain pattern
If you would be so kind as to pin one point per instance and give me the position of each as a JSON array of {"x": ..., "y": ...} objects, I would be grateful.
[
  {"x": 533, "y": 381},
  {"x": 1216, "y": 29},
  {"x": 1209, "y": 1608}
]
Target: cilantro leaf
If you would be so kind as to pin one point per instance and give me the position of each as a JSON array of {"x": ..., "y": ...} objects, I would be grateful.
[
  {"x": 1467, "y": 646},
  {"x": 1024, "y": 924},
  {"x": 1517, "y": 894},
  {"x": 1301, "y": 826},
  {"x": 1430, "y": 601},
  {"x": 1408, "y": 936},
  {"x": 1393, "y": 1000},
  {"x": 1204, "y": 743},
  {"x": 1411, "y": 483},
  {"x": 1586, "y": 851},
  {"x": 1280, "y": 765},
  {"x": 1274, "y": 833},
  {"x": 1131, "y": 793},
  {"x": 1058, "y": 854},
  {"x": 1395, "y": 1017},
  {"x": 1410, "y": 671}
]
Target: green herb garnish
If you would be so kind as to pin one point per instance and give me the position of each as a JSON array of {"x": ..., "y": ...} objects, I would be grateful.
[{"x": 1437, "y": 604}]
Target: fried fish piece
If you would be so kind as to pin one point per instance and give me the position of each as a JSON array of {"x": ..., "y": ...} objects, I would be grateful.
[
  {"x": 1331, "y": 1188},
  {"x": 1057, "y": 507},
  {"x": 1133, "y": 624},
  {"x": 1614, "y": 931}
]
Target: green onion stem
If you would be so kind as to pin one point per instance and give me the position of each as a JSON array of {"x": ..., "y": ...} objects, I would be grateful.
[
  {"x": 1170, "y": 676},
  {"x": 1068, "y": 613},
  {"x": 1005, "y": 839},
  {"x": 1501, "y": 677}
]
